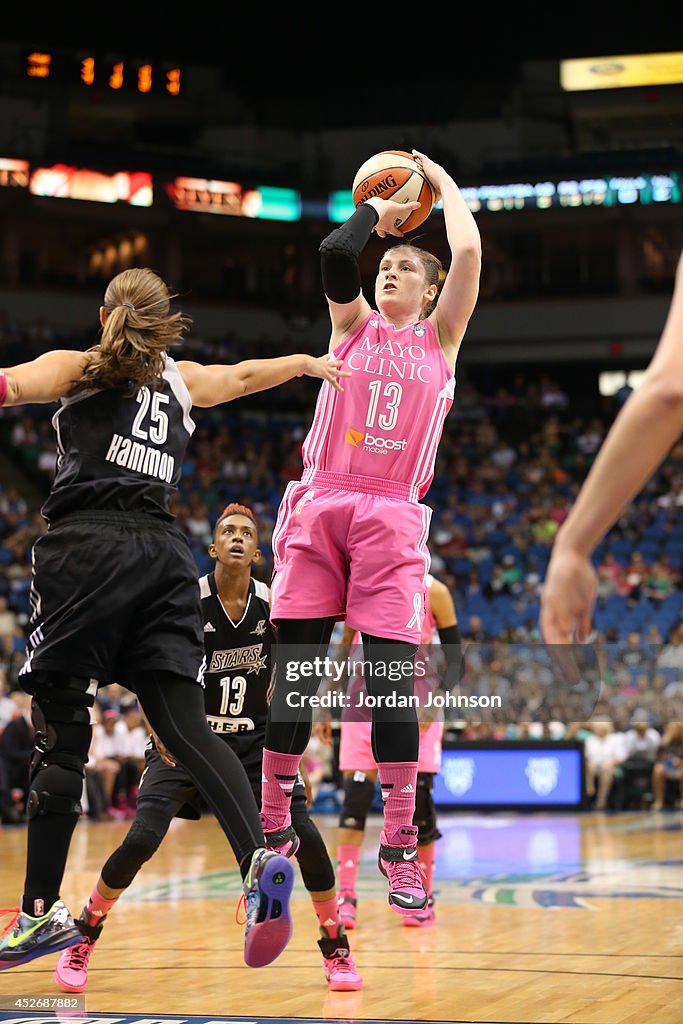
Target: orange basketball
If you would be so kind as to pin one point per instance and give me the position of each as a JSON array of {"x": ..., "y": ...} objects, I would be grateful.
[{"x": 395, "y": 174}]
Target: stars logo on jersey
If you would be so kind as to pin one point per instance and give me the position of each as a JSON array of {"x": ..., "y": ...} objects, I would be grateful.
[
  {"x": 249, "y": 659},
  {"x": 208, "y": 628},
  {"x": 419, "y": 330},
  {"x": 259, "y": 629}
]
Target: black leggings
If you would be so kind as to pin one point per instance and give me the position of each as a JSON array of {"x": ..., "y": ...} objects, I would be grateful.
[
  {"x": 174, "y": 707},
  {"x": 152, "y": 821},
  {"x": 395, "y": 732}
]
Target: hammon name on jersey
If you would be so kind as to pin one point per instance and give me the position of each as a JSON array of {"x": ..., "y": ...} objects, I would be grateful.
[{"x": 140, "y": 458}]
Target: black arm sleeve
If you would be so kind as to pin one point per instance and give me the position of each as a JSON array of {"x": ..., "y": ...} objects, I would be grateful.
[
  {"x": 339, "y": 253},
  {"x": 451, "y": 641}
]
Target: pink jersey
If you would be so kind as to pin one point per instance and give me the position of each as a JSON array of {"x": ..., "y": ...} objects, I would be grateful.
[{"x": 388, "y": 421}]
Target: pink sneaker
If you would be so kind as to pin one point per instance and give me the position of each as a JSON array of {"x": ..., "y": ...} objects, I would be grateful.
[
  {"x": 339, "y": 966},
  {"x": 283, "y": 840},
  {"x": 71, "y": 972},
  {"x": 424, "y": 918},
  {"x": 398, "y": 861},
  {"x": 347, "y": 904},
  {"x": 117, "y": 814}
]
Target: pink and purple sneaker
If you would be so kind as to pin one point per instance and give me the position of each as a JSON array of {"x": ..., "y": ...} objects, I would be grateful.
[{"x": 267, "y": 888}]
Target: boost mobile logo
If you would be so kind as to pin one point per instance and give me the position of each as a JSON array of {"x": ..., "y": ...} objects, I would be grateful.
[
  {"x": 374, "y": 444},
  {"x": 354, "y": 437}
]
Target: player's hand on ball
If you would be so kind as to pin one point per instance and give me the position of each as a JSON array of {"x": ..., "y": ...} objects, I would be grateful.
[
  {"x": 435, "y": 172},
  {"x": 329, "y": 369},
  {"x": 389, "y": 212}
]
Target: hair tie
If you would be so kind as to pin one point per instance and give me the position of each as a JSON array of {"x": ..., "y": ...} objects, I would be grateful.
[{"x": 128, "y": 306}]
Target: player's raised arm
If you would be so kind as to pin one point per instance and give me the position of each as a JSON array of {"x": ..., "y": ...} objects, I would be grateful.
[
  {"x": 460, "y": 289},
  {"x": 647, "y": 426},
  {"x": 43, "y": 380},
  {"x": 339, "y": 255},
  {"x": 212, "y": 385}
]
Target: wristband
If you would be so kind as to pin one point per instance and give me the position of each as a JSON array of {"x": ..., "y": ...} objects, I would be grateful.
[
  {"x": 451, "y": 642},
  {"x": 3, "y": 388}
]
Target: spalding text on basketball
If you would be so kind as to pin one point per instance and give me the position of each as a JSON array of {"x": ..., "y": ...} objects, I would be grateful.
[{"x": 382, "y": 186}]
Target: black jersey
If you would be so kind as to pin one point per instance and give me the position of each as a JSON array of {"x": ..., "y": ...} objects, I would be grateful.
[
  {"x": 121, "y": 453},
  {"x": 239, "y": 659}
]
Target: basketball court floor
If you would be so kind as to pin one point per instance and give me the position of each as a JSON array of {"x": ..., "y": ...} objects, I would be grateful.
[{"x": 541, "y": 918}]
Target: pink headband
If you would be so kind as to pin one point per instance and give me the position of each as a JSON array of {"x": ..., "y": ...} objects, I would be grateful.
[{"x": 3, "y": 388}]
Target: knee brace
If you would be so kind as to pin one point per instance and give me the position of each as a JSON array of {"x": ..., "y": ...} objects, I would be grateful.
[
  {"x": 60, "y": 711},
  {"x": 317, "y": 870},
  {"x": 144, "y": 838},
  {"x": 359, "y": 792},
  {"x": 425, "y": 811}
]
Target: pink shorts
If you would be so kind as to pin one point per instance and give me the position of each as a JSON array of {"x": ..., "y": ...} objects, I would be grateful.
[
  {"x": 360, "y": 557},
  {"x": 355, "y": 748}
]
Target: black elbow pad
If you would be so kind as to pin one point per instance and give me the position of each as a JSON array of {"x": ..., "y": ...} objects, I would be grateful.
[{"x": 339, "y": 253}]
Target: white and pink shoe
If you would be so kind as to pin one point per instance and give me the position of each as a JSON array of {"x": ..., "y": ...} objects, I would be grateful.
[{"x": 397, "y": 860}]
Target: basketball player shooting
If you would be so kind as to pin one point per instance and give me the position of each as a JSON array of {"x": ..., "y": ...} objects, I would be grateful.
[{"x": 350, "y": 541}]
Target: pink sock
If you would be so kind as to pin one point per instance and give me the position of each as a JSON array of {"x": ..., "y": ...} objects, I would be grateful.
[
  {"x": 328, "y": 915},
  {"x": 425, "y": 857},
  {"x": 98, "y": 906},
  {"x": 279, "y": 776},
  {"x": 347, "y": 867},
  {"x": 398, "y": 781}
]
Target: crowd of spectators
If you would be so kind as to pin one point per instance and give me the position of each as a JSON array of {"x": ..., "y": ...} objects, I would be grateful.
[
  {"x": 510, "y": 464},
  {"x": 115, "y": 764}
]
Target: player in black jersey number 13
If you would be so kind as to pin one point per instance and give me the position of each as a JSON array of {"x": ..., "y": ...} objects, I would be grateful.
[{"x": 115, "y": 595}]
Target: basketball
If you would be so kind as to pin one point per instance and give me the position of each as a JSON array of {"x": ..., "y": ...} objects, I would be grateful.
[{"x": 395, "y": 174}]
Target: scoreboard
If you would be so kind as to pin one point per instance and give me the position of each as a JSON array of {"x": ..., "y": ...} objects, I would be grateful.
[{"x": 92, "y": 70}]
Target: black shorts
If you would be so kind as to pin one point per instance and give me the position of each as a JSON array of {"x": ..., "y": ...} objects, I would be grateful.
[
  {"x": 115, "y": 595},
  {"x": 161, "y": 782}
]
